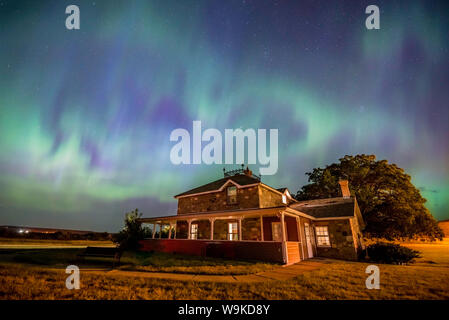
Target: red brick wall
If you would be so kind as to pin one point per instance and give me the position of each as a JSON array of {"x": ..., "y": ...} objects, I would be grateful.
[
  {"x": 267, "y": 235},
  {"x": 290, "y": 224},
  {"x": 292, "y": 231}
]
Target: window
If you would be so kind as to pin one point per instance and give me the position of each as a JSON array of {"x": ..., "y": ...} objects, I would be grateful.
[
  {"x": 284, "y": 199},
  {"x": 322, "y": 236},
  {"x": 233, "y": 233},
  {"x": 276, "y": 231},
  {"x": 232, "y": 194},
  {"x": 194, "y": 231}
]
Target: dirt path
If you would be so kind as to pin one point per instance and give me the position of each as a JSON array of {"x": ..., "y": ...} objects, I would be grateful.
[{"x": 281, "y": 273}]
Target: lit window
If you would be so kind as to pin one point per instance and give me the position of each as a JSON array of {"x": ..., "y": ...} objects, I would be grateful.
[
  {"x": 194, "y": 231},
  {"x": 322, "y": 236},
  {"x": 233, "y": 233},
  {"x": 284, "y": 199},
  {"x": 232, "y": 194}
]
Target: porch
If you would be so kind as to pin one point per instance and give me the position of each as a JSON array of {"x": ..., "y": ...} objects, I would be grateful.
[{"x": 275, "y": 234}]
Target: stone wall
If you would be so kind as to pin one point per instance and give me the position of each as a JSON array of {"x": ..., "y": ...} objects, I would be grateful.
[
  {"x": 444, "y": 225},
  {"x": 357, "y": 235},
  {"x": 341, "y": 240},
  {"x": 203, "y": 229},
  {"x": 217, "y": 201},
  {"x": 221, "y": 229},
  {"x": 269, "y": 198},
  {"x": 251, "y": 229},
  {"x": 181, "y": 229}
]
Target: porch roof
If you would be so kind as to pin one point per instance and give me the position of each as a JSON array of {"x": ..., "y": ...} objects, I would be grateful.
[{"x": 228, "y": 213}]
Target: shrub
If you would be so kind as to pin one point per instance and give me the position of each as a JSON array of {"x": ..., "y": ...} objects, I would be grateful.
[
  {"x": 391, "y": 253},
  {"x": 128, "y": 238}
]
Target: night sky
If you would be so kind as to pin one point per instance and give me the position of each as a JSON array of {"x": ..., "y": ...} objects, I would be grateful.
[{"x": 86, "y": 115}]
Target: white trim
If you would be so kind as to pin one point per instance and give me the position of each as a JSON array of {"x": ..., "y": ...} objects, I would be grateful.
[
  {"x": 335, "y": 218},
  {"x": 222, "y": 214},
  {"x": 301, "y": 238},
  {"x": 270, "y": 188},
  {"x": 236, "y": 214},
  {"x": 216, "y": 240},
  {"x": 298, "y": 213},
  {"x": 284, "y": 239}
]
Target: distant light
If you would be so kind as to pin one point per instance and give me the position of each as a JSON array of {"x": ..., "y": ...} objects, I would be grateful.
[{"x": 20, "y": 231}]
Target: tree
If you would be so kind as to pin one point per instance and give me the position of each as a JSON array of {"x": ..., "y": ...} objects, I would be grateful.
[
  {"x": 391, "y": 205},
  {"x": 128, "y": 238}
]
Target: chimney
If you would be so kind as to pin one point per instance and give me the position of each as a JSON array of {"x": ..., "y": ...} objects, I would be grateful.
[
  {"x": 248, "y": 172},
  {"x": 344, "y": 185}
]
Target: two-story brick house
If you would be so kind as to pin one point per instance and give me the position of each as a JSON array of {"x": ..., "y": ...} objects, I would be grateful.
[{"x": 240, "y": 217}]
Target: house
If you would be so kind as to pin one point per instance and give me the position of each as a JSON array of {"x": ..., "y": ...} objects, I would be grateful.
[
  {"x": 444, "y": 225},
  {"x": 240, "y": 217}
]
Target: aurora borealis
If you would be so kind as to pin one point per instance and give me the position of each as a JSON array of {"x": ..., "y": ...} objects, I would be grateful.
[{"x": 86, "y": 115}]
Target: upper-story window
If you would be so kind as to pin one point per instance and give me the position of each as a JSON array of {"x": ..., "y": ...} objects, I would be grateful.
[
  {"x": 232, "y": 194},
  {"x": 284, "y": 199}
]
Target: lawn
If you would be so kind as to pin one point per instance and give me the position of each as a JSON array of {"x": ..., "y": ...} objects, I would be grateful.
[
  {"x": 427, "y": 279},
  {"x": 133, "y": 261},
  {"x": 163, "y": 262}
]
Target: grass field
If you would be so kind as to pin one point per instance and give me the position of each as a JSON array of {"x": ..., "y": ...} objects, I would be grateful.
[
  {"x": 163, "y": 262},
  {"x": 140, "y": 261},
  {"x": 427, "y": 279},
  {"x": 38, "y": 242}
]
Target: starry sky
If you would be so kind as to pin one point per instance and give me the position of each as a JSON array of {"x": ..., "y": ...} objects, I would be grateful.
[{"x": 86, "y": 115}]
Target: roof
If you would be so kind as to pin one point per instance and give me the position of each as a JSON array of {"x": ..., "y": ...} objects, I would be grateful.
[
  {"x": 241, "y": 179},
  {"x": 281, "y": 189},
  {"x": 204, "y": 215},
  {"x": 327, "y": 208}
]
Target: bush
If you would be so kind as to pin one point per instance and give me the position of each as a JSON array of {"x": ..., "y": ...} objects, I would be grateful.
[
  {"x": 391, "y": 253},
  {"x": 132, "y": 233}
]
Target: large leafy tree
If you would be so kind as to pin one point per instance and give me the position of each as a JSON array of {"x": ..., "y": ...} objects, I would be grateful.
[{"x": 391, "y": 205}]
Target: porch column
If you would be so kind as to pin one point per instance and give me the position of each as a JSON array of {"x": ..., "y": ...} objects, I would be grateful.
[
  {"x": 169, "y": 230},
  {"x": 284, "y": 251},
  {"x": 301, "y": 243},
  {"x": 160, "y": 230},
  {"x": 261, "y": 228},
  {"x": 283, "y": 227},
  {"x": 212, "y": 221},
  {"x": 189, "y": 222},
  {"x": 154, "y": 229},
  {"x": 176, "y": 223},
  {"x": 240, "y": 229}
]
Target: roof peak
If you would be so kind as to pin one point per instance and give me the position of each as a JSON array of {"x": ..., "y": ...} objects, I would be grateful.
[
  {"x": 241, "y": 180},
  {"x": 242, "y": 171}
]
